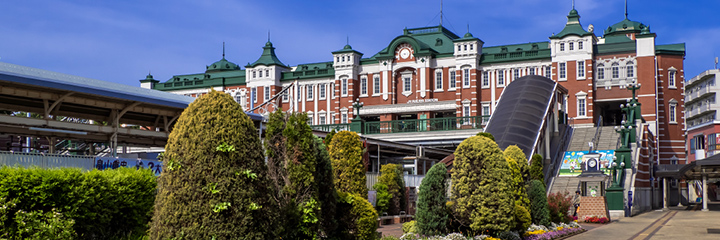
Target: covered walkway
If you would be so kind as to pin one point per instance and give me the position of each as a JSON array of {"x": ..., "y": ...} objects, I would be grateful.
[{"x": 701, "y": 170}]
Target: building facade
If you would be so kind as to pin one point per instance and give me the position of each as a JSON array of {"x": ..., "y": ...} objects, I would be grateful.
[
  {"x": 433, "y": 73},
  {"x": 701, "y": 114}
]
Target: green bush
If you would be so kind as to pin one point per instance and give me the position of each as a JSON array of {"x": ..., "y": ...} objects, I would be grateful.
[
  {"x": 522, "y": 218},
  {"x": 346, "y": 151},
  {"x": 536, "y": 168},
  {"x": 95, "y": 204},
  {"x": 326, "y": 189},
  {"x": 215, "y": 183},
  {"x": 383, "y": 198},
  {"x": 515, "y": 153},
  {"x": 539, "y": 205},
  {"x": 431, "y": 215},
  {"x": 392, "y": 176},
  {"x": 357, "y": 217},
  {"x": 481, "y": 186},
  {"x": 487, "y": 135},
  {"x": 410, "y": 227}
]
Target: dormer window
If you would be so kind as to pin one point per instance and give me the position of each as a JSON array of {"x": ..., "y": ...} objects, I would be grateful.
[
  {"x": 254, "y": 74},
  {"x": 267, "y": 73},
  {"x": 459, "y": 48},
  {"x": 343, "y": 58},
  {"x": 465, "y": 47},
  {"x": 260, "y": 73}
]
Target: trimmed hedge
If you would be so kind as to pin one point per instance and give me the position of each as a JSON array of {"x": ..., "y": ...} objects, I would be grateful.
[{"x": 102, "y": 204}]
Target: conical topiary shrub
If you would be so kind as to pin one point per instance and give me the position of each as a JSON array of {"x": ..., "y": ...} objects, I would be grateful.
[{"x": 214, "y": 183}]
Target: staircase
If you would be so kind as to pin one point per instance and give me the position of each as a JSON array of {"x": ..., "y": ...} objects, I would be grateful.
[{"x": 606, "y": 139}]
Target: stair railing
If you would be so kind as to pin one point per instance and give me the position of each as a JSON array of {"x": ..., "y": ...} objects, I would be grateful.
[{"x": 598, "y": 131}]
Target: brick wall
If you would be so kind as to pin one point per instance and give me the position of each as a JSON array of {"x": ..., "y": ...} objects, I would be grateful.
[{"x": 592, "y": 206}]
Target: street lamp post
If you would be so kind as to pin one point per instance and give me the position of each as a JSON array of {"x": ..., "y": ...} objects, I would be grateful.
[
  {"x": 623, "y": 154},
  {"x": 357, "y": 124}
]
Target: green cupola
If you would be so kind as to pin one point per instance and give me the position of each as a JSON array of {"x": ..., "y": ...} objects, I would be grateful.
[
  {"x": 268, "y": 57},
  {"x": 222, "y": 65},
  {"x": 572, "y": 27}
]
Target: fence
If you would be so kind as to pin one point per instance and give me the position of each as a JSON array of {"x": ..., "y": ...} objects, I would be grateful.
[
  {"x": 410, "y": 180},
  {"x": 42, "y": 160}
]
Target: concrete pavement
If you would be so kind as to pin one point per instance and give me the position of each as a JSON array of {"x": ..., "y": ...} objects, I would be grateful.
[{"x": 677, "y": 223}]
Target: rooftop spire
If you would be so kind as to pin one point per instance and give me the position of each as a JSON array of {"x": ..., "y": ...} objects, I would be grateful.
[
  {"x": 626, "y": 9},
  {"x": 223, "y": 49},
  {"x": 573, "y": 4},
  {"x": 441, "y": 12},
  {"x": 268, "y": 35},
  {"x": 347, "y": 40}
]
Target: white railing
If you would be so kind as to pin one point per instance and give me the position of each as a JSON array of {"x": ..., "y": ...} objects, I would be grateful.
[
  {"x": 410, "y": 180},
  {"x": 45, "y": 160}
]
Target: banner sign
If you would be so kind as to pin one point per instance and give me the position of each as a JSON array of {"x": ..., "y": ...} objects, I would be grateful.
[
  {"x": 573, "y": 161},
  {"x": 102, "y": 163}
]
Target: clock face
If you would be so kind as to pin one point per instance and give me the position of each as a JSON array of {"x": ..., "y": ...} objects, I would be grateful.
[
  {"x": 592, "y": 163},
  {"x": 405, "y": 53}
]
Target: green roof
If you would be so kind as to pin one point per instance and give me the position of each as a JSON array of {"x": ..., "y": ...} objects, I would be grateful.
[
  {"x": 309, "y": 71},
  {"x": 572, "y": 27},
  {"x": 203, "y": 80},
  {"x": 149, "y": 78},
  {"x": 425, "y": 41},
  {"x": 616, "y": 47},
  {"x": 626, "y": 26},
  {"x": 222, "y": 65},
  {"x": 268, "y": 57},
  {"x": 673, "y": 49},
  {"x": 516, "y": 52},
  {"x": 347, "y": 49}
]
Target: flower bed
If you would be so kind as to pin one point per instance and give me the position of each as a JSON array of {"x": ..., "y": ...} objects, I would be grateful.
[
  {"x": 555, "y": 231},
  {"x": 595, "y": 219}
]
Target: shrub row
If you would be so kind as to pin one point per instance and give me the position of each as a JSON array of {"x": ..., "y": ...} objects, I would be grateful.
[{"x": 93, "y": 205}]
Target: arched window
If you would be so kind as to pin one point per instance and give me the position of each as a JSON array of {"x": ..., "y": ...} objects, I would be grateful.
[
  {"x": 630, "y": 69},
  {"x": 601, "y": 71},
  {"x": 615, "y": 70}
]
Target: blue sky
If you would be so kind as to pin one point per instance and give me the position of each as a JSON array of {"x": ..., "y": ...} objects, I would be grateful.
[{"x": 121, "y": 41}]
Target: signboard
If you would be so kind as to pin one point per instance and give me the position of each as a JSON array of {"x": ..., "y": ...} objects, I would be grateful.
[
  {"x": 423, "y": 100},
  {"x": 102, "y": 163},
  {"x": 573, "y": 161}
]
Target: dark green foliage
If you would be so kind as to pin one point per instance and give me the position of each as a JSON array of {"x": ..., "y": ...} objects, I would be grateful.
[
  {"x": 509, "y": 235},
  {"x": 292, "y": 154},
  {"x": 522, "y": 218},
  {"x": 357, "y": 218},
  {"x": 102, "y": 204},
  {"x": 536, "y": 168},
  {"x": 431, "y": 215},
  {"x": 215, "y": 184},
  {"x": 481, "y": 187},
  {"x": 326, "y": 189},
  {"x": 383, "y": 197},
  {"x": 392, "y": 176},
  {"x": 329, "y": 137},
  {"x": 346, "y": 156},
  {"x": 559, "y": 204},
  {"x": 487, "y": 135},
  {"x": 539, "y": 205}
]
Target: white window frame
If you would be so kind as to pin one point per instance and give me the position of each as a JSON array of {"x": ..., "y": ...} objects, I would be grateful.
[
  {"x": 571, "y": 46},
  {"x": 672, "y": 111},
  {"x": 322, "y": 119},
  {"x": 466, "y": 77},
  {"x": 516, "y": 74},
  {"x": 452, "y": 79},
  {"x": 562, "y": 71},
  {"x": 310, "y": 93},
  {"x": 286, "y": 96},
  {"x": 672, "y": 78},
  {"x": 485, "y": 111},
  {"x": 310, "y": 118},
  {"x": 253, "y": 94},
  {"x": 438, "y": 80},
  {"x": 548, "y": 72},
  {"x": 580, "y": 45},
  {"x": 466, "y": 110},
  {"x": 344, "y": 86},
  {"x": 407, "y": 84},
  {"x": 322, "y": 88},
  {"x": 531, "y": 71},
  {"x": 363, "y": 87},
  {"x": 580, "y": 69},
  {"x": 630, "y": 69},
  {"x": 344, "y": 117},
  {"x": 562, "y": 47},
  {"x": 581, "y": 105},
  {"x": 486, "y": 79},
  {"x": 501, "y": 78},
  {"x": 615, "y": 71},
  {"x": 267, "y": 93},
  {"x": 376, "y": 85},
  {"x": 601, "y": 72}
]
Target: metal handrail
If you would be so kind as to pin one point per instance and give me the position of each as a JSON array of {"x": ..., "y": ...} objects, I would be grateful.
[
  {"x": 425, "y": 125},
  {"x": 598, "y": 131}
]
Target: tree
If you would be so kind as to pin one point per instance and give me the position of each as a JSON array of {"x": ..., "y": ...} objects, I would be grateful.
[
  {"x": 515, "y": 159},
  {"x": 515, "y": 153},
  {"x": 214, "y": 184},
  {"x": 326, "y": 189},
  {"x": 431, "y": 215},
  {"x": 538, "y": 203},
  {"x": 292, "y": 158},
  {"x": 357, "y": 217},
  {"x": 392, "y": 176},
  {"x": 481, "y": 186},
  {"x": 487, "y": 135},
  {"x": 329, "y": 137},
  {"x": 346, "y": 157},
  {"x": 383, "y": 197},
  {"x": 536, "y": 168}
]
